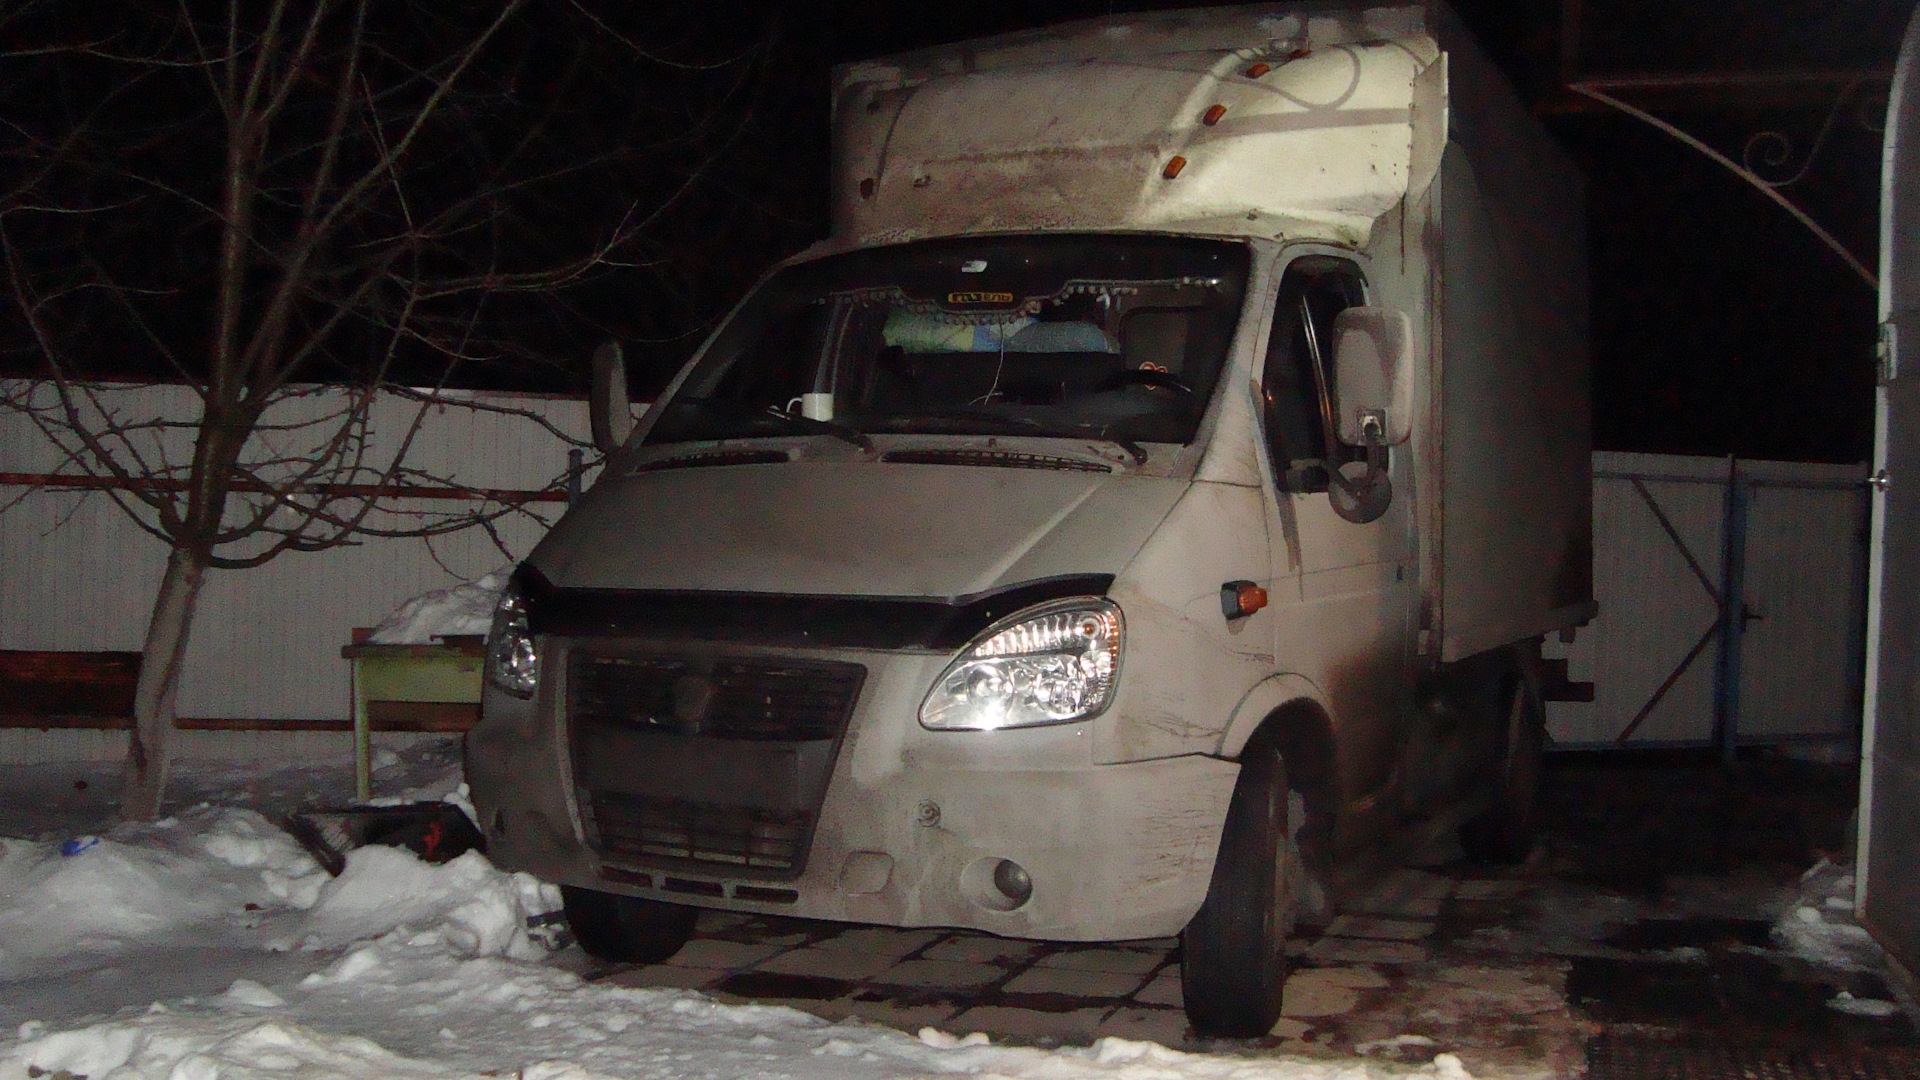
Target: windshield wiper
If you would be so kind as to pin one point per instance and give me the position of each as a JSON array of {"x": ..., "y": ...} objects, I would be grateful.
[
  {"x": 823, "y": 427},
  {"x": 1081, "y": 431},
  {"x": 1057, "y": 431}
]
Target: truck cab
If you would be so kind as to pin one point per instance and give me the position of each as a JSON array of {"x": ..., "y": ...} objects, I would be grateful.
[{"x": 1144, "y": 507}]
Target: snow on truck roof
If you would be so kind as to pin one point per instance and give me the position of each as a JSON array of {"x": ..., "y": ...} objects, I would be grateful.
[{"x": 1293, "y": 121}]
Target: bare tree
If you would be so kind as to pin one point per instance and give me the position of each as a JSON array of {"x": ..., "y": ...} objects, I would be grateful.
[{"x": 292, "y": 207}]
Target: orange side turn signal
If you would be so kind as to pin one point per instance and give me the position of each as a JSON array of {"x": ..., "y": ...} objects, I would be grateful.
[
  {"x": 1239, "y": 599},
  {"x": 1213, "y": 114},
  {"x": 1174, "y": 165}
]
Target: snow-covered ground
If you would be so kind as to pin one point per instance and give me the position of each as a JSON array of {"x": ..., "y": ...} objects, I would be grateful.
[{"x": 211, "y": 945}]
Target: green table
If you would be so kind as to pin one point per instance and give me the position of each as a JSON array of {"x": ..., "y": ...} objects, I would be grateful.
[{"x": 391, "y": 678}]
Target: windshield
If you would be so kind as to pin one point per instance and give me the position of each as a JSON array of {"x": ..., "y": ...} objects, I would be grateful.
[{"x": 1109, "y": 337}]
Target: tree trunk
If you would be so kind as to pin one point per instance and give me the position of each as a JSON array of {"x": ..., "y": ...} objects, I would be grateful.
[{"x": 162, "y": 657}]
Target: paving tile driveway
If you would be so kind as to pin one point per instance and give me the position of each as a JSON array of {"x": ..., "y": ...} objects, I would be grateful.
[{"x": 1359, "y": 982}]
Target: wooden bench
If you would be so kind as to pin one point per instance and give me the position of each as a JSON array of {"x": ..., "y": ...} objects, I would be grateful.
[
  {"x": 67, "y": 689},
  {"x": 427, "y": 687},
  {"x": 431, "y": 688}
]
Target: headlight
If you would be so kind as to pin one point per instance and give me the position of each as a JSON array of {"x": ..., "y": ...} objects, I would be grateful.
[
  {"x": 1047, "y": 665},
  {"x": 512, "y": 664}
]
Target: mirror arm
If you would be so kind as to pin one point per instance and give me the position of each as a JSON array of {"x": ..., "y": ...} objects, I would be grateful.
[
  {"x": 1367, "y": 497},
  {"x": 1329, "y": 432}
]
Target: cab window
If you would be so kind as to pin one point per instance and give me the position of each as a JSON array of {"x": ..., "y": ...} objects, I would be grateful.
[{"x": 1299, "y": 374}]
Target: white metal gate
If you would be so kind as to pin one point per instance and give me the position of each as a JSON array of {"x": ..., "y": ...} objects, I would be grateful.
[{"x": 1732, "y": 606}]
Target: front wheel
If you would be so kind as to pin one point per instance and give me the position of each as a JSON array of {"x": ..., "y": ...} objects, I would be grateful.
[
  {"x": 1233, "y": 963},
  {"x": 626, "y": 929}
]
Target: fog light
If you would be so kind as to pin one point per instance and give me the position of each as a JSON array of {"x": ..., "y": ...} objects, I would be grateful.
[{"x": 1013, "y": 881}]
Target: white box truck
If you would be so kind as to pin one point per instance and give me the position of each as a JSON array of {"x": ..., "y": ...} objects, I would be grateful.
[{"x": 1144, "y": 507}]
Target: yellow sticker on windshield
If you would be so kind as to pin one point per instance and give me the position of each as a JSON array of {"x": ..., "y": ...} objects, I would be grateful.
[{"x": 979, "y": 298}]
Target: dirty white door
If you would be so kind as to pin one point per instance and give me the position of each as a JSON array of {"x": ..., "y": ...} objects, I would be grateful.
[
  {"x": 1889, "y": 864},
  {"x": 1802, "y": 576}
]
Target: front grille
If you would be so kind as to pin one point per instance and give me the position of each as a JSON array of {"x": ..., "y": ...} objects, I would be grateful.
[
  {"x": 706, "y": 761},
  {"x": 676, "y": 829},
  {"x": 723, "y": 698}
]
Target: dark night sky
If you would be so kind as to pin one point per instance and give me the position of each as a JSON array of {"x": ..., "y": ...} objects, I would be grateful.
[{"x": 1719, "y": 324}]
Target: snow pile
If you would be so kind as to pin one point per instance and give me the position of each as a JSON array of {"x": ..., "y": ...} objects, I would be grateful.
[
  {"x": 244, "y": 839},
  {"x": 174, "y": 883},
  {"x": 467, "y": 904},
  {"x": 1819, "y": 924},
  {"x": 436, "y": 980},
  {"x": 229, "y": 877},
  {"x": 441, "y": 1016},
  {"x": 240, "y": 1048},
  {"x": 1878, "y": 1008},
  {"x": 462, "y": 610},
  {"x": 448, "y": 786}
]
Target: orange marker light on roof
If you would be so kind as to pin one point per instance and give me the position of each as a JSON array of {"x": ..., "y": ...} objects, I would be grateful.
[
  {"x": 1174, "y": 165},
  {"x": 1258, "y": 70},
  {"x": 1213, "y": 114}
]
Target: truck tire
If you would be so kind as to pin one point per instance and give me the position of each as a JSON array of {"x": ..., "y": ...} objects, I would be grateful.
[
  {"x": 626, "y": 929},
  {"x": 1233, "y": 962},
  {"x": 1503, "y": 833}
]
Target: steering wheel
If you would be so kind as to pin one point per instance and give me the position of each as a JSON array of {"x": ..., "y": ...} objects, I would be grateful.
[{"x": 1153, "y": 378}]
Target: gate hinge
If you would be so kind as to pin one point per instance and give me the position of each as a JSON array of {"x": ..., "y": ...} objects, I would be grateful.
[{"x": 1886, "y": 353}]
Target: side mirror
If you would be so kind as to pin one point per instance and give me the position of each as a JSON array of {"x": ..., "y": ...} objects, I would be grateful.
[
  {"x": 611, "y": 414},
  {"x": 1373, "y": 365}
]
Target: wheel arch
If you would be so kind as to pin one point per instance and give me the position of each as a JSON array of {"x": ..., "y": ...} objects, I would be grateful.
[
  {"x": 1290, "y": 702},
  {"x": 1291, "y": 713}
]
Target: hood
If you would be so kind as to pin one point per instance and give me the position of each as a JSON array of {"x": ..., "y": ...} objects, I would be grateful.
[{"x": 851, "y": 528}]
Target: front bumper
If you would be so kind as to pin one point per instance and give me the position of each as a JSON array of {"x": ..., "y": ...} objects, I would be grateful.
[{"x": 912, "y": 823}]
